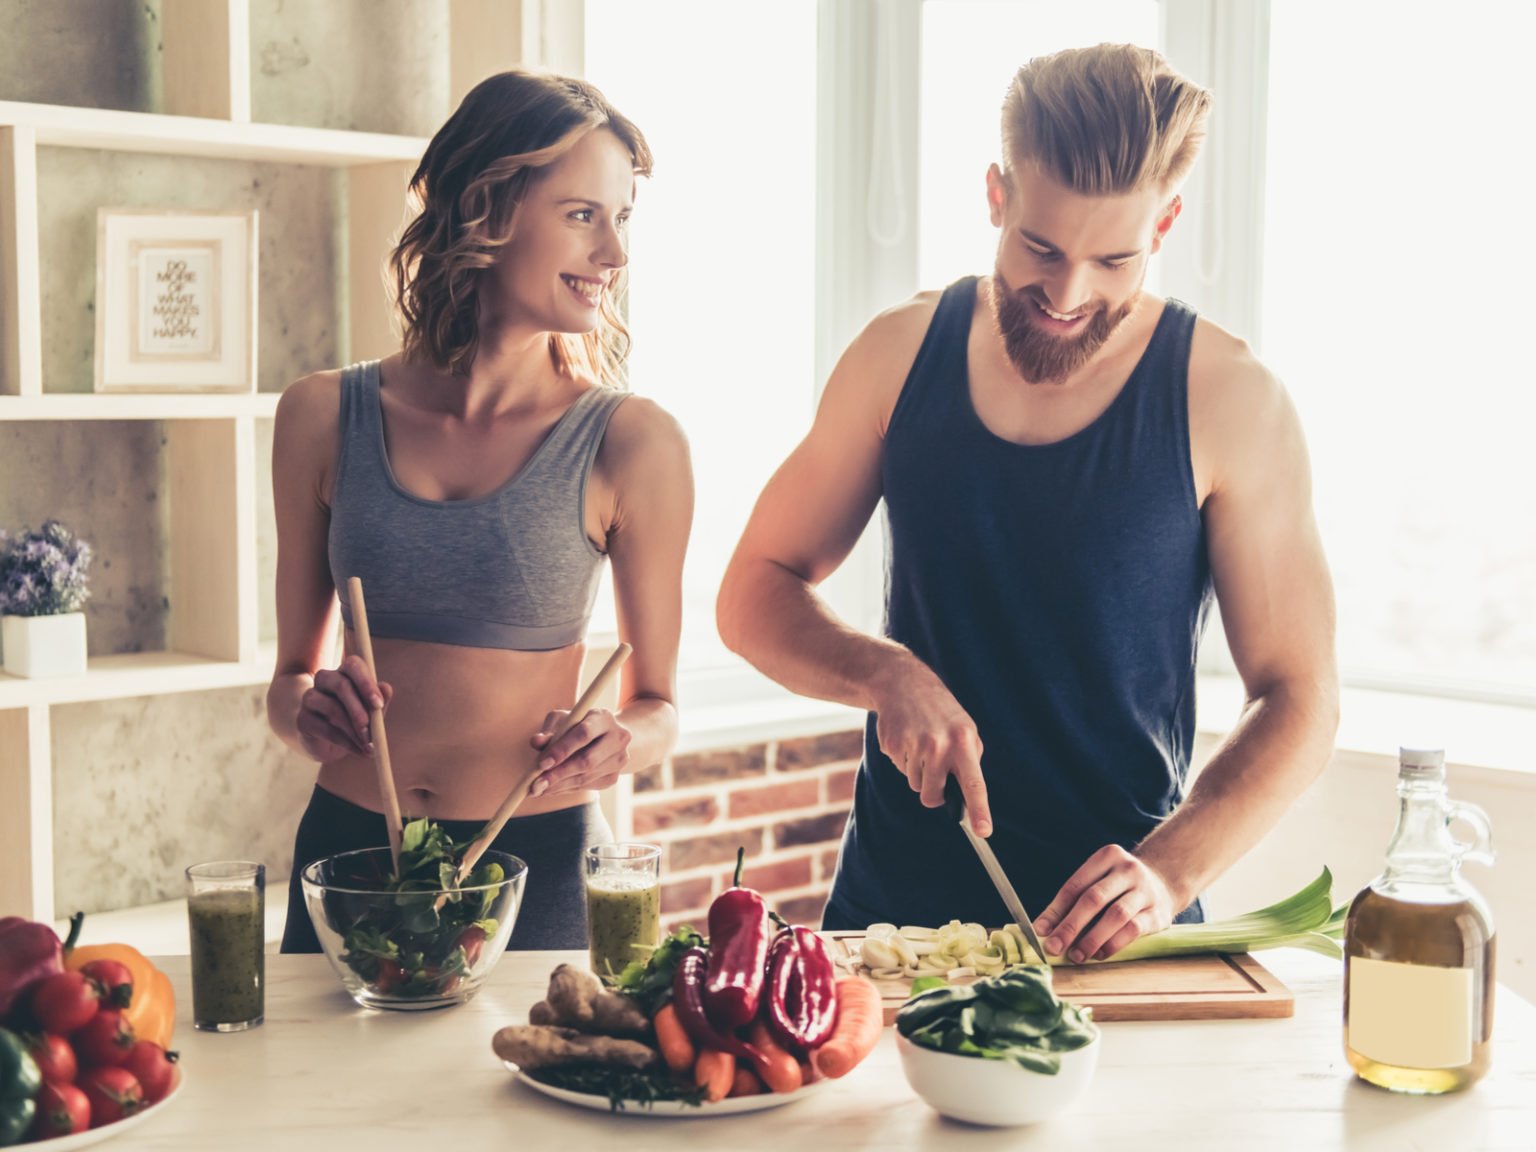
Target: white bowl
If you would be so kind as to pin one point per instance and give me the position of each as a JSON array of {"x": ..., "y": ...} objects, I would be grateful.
[{"x": 996, "y": 1092}]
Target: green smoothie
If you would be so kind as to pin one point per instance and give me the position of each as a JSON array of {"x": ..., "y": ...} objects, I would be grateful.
[
  {"x": 228, "y": 958},
  {"x": 623, "y": 920}
]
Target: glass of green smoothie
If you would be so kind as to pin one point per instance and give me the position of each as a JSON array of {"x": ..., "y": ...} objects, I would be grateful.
[
  {"x": 623, "y": 905},
  {"x": 226, "y": 915}
]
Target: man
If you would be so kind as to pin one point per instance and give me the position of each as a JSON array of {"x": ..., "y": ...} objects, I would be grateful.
[{"x": 1069, "y": 466}]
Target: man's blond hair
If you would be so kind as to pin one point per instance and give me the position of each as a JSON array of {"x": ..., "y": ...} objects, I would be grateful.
[{"x": 1105, "y": 120}]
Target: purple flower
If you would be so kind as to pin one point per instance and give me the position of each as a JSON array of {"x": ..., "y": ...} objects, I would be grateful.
[{"x": 43, "y": 573}]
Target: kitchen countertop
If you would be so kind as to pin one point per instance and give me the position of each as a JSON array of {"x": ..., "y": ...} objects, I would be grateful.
[{"x": 322, "y": 1073}]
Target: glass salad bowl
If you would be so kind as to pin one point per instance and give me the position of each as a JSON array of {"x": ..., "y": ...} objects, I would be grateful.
[{"x": 412, "y": 945}]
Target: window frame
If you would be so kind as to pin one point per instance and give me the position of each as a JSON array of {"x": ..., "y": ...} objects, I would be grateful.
[{"x": 868, "y": 150}]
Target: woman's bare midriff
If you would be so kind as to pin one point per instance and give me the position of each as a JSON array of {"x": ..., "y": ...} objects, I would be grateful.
[{"x": 458, "y": 727}]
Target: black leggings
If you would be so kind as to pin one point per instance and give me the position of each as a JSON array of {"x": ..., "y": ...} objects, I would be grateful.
[{"x": 552, "y": 844}]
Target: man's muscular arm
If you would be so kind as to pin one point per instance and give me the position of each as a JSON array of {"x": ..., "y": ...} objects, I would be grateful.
[
  {"x": 1277, "y": 605},
  {"x": 805, "y": 523}
]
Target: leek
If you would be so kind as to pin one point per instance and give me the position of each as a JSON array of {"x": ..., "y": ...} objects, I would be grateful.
[{"x": 1307, "y": 919}]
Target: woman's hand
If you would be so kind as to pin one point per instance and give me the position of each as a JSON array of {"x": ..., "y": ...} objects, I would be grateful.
[
  {"x": 591, "y": 755},
  {"x": 334, "y": 714}
]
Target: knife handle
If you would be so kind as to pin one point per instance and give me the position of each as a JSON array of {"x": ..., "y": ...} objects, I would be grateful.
[{"x": 954, "y": 800}]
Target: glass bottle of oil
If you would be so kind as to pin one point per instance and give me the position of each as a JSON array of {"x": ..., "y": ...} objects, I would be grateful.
[{"x": 1419, "y": 946}]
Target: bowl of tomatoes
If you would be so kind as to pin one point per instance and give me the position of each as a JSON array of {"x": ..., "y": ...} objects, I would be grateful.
[
  {"x": 414, "y": 938},
  {"x": 84, "y": 1034}
]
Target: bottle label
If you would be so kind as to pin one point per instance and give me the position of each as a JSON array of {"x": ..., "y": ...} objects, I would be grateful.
[{"x": 1410, "y": 1015}]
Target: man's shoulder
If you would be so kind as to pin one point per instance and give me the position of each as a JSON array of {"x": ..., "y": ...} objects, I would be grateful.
[
  {"x": 1226, "y": 379},
  {"x": 881, "y": 356}
]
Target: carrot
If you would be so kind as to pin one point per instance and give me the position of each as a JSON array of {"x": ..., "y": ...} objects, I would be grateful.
[
  {"x": 779, "y": 1070},
  {"x": 859, "y": 1024},
  {"x": 746, "y": 1082},
  {"x": 676, "y": 1046},
  {"x": 715, "y": 1072}
]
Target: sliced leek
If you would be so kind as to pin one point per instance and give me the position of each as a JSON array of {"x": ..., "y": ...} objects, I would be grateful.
[{"x": 1306, "y": 919}]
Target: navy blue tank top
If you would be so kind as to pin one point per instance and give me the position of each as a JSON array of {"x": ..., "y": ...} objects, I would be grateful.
[{"x": 1059, "y": 591}]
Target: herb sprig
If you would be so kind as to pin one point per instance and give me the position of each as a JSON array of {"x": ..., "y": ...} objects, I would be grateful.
[
  {"x": 651, "y": 982},
  {"x": 622, "y": 1086}
]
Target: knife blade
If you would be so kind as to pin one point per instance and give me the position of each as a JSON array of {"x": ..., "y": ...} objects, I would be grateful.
[{"x": 954, "y": 803}]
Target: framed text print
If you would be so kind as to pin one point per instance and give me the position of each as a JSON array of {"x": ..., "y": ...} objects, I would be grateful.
[{"x": 175, "y": 301}]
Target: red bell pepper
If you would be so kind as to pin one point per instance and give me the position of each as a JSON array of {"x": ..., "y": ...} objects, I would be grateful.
[
  {"x": 801, "y": 992},
  {"x": 738, "y": 948},
  {"x": 816, "y": 1009},
  {"x": 688, "y": 997},
  {"x": 29, "y": 951}
]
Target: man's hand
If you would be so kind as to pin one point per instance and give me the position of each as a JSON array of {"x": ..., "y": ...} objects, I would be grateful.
[
  {"x": 1108, "y": 902},
  {"x": 591, "y": 755},
  {"x": 929, "y": 737},
  {"x": 334, "y": 714}
]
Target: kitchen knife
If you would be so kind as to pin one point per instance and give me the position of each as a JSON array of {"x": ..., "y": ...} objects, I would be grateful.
[{"x": 954, "y": 803}]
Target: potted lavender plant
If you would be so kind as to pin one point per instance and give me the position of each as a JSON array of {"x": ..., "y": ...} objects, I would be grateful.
[{"x": 42, "y": 591}]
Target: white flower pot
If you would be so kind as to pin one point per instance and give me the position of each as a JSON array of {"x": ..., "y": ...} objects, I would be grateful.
[{"x": 40, "y": 646}]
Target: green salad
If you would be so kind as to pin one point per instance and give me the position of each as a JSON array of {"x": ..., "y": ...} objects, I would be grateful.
[
  {"x": 407, "y": 946},
  {"x": 1012, "y": 1016}
]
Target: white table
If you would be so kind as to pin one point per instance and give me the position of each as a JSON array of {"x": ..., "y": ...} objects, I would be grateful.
[{"x": 323, "y": 1074}]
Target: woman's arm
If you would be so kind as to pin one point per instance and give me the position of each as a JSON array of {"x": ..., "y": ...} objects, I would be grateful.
[
  {"x": 645, "y": 467},
  {"x": 323, "y": 714}
]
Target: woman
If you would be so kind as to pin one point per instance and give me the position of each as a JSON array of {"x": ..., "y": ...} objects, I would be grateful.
[{"x": 475, "y": 481}]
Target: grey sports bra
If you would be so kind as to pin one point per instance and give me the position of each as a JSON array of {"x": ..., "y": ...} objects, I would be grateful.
[{"x": 511, "y": 569}]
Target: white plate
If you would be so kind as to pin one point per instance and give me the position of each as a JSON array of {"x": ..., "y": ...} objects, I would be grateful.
[
  {"x": 730, "y": 1106},
  {"x": 107, "y": 1131}
]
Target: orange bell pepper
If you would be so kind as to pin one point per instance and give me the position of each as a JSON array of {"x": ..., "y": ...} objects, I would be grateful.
[{"x": 152, "y": 1012}]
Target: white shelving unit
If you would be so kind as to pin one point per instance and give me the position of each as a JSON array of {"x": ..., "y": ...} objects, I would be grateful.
[{"x": 210, "y": 439}]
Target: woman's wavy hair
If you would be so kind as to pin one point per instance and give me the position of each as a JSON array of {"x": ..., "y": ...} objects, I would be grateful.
[{"x": 465, "y": 194}]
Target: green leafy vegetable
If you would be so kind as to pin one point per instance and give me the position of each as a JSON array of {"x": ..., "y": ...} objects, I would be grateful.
[
  {"x": 651, "y": 982},
  {"x": 1012, "y": 1016},
  {"x": 622, "y": 1086},
  {"x": 409, "y": 947},
  {"x": 925, "y": 983}
]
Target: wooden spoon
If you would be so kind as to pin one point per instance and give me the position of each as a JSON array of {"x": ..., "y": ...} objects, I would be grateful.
[
  {"x": 376, "y": 723},
  {"x": 519, "y": 790}
]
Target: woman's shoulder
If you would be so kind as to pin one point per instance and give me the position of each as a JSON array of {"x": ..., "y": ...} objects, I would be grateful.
[
  {"x": 642, "y": 438},
  {"x": 308, "y": 416}
]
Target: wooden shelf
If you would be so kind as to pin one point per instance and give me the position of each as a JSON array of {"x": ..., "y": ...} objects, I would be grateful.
[
  {"x": 119, "y": 406},
  {"x": 114, "y": 131},
  {"x": 137, "y": 674}
]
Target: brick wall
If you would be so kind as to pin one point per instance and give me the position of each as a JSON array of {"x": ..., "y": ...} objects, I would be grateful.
[{"x": 785, "y": 802}]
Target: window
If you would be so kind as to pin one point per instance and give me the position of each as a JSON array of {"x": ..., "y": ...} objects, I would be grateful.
[
  {"x": 722, "y": 249},
  {"x": 1395, "y": 296},
  {"x": 1356, "y": 216},
  {"x": 970, "y": 51}
]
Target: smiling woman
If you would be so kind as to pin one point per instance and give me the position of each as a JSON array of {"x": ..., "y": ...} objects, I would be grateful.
[{"x": 475, "y": 482}]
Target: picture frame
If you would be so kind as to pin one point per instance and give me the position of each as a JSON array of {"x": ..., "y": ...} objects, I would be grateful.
[{"x": 175, "y": 301}]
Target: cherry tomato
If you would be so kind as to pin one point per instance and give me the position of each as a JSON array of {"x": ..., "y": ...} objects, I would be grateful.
[
  {"x": 115, "y": 979},
  {"x": 106, "y": 1040},
  {"x": 62, "y": 1109},
  {"x": 154, "y": 1069},
  {"x": 64, "y": 1002},
  {"x": 390, "y": 976},
  {"x": 472, "y": 940},
  {"x": 55, "y": 1058},
  {"x": 113, "y": 1093}
]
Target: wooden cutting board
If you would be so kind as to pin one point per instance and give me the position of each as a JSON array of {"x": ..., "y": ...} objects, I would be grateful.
[{"x": 1170, "y": 988}]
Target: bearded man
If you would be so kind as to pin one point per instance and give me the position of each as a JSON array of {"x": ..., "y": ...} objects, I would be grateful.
[{"x": 1071, "y": 468}]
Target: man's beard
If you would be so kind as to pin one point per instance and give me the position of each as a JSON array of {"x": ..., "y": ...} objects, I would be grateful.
[{"x": 1040, "y": 356}]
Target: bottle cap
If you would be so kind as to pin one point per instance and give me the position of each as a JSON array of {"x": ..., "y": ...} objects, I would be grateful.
[{"x": 1421, "y": 764}]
